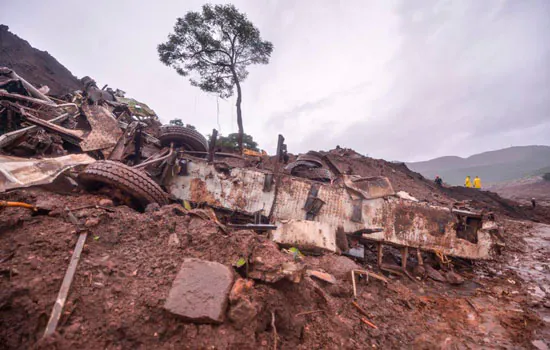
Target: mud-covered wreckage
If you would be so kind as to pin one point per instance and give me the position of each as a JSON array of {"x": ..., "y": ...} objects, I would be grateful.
[
  {"x": 316, "y": 215},
  {"x": 309, "y": 204}
]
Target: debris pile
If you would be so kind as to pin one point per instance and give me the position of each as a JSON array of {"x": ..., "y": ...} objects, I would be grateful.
[
  {"x": 131, "y": 264},
  {"x": 118, "y": 231},
  {"x": 123, "y": 135}
]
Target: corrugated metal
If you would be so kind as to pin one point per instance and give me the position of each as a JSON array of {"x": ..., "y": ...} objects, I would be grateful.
[
  {"x": 336, "y": 212},
  {"x": 241, "y": 190},
  {"x": 18, "y": 172}
]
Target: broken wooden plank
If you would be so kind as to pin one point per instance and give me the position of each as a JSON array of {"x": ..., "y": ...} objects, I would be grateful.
[
  {"x": 372, "y": 274},
  {"x": 369, "y": 323},
  {"x": 67, "y": 133},
  {"x": 65, "y": 286},
  {"x": 68, "y": 279},
  {"x": 327, "y": 277}
]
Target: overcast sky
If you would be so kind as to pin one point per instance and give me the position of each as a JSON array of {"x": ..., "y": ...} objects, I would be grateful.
[{"x": 399, "y": 80}]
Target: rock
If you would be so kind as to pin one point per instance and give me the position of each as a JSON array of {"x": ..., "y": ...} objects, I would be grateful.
[
  {"x": 173, "y": 239},
  {"x": 240, "y": 289},
  {"x": 270, "y": 265},
  {"x": 340, "y": 291},
  {"x": 338, "y": 266},
  {"x": 91, "y": 222},
  {"x": 200, "y": 291},
  {"x": 152, "y": 207},
  {"x": 47, "y": 204},
  {"x": 454, "y": 278},
  {"x": 419, "y": 271},
  {"x": 293, "y": 272},
  {"x": 539, "y": 344},
  {"x": 434, "y": 274},
  {"x": 242, "y": 313},
  {"x": 105, "y": 202}
]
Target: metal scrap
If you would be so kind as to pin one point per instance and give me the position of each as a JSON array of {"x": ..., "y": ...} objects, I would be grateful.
[{"x": 24, "y": 172}]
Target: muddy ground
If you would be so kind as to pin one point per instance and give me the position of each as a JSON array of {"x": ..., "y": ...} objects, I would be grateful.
[{"x": 130, "y": 259}]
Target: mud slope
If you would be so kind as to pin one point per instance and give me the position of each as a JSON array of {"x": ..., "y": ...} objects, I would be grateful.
[
  {"x": 131, "y": 258},
  {"x": 38, "y": 67}
]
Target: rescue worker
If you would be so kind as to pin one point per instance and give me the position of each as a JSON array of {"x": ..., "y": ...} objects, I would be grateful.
[
  {"x": 468, "y": 182},
  {"x": 438, "y": 181},
  {"x": 477, "y": 182}
]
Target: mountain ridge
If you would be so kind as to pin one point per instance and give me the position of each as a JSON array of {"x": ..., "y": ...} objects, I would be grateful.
[{"x": 492, "y": 166}]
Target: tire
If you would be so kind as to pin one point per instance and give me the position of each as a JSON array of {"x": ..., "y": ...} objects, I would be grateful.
[
  {"x": 184, "y": 137},
  {"x": 301, "y": 163},
  {"x": 132, "y": 182},
  {"x": 311, "y": 159},
  {"x": 320, "y": 174}
]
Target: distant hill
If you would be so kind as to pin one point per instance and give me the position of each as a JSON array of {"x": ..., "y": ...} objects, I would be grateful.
[
  {"x": 494, "y": 166},
  {"x": 37, "y": 67},
  {"x": 523, "y": 190}
]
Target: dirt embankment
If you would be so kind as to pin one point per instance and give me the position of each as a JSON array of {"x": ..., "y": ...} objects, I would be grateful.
[
  {"x": 131, "y": 258},
  {"x": 37, "y": 67},
  {"x": 523, "y": 190}
]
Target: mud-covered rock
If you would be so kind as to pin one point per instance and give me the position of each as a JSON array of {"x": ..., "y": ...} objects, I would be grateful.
[
  {"x": 242, "y": 313},
  {"x": 270, "y": 265},
  {"x": 419, "y": 271},
  {"x": 174, "y": 240},
  {"x": 105, "y": 202},
  {"x": 434, "y": 274},
  {"x": 454, "y": 278},
  {"x": 200, "y": 291},
  {"x": 337, "y": 265},
  {"x": 91, "y": 222},
  {"x": 240, "y": 289},
  {"x": 152, "y": 207}
]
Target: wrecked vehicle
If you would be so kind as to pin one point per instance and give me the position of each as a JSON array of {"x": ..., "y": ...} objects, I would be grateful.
[
  {"x": 309, "y": 203},
  {"x": 317, "y": 215}
]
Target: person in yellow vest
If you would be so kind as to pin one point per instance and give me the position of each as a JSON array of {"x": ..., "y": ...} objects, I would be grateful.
[
  {"x": 468, "y": 182},
  {"x": 477, "y": 182}
]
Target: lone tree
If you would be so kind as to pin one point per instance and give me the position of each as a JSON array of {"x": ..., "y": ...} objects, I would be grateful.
[
  {"x": 231, "y": 141},
  {"x": 216, "y": 45}
]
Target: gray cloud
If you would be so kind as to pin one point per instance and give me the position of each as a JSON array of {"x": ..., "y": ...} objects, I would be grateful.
[
  {"x": 398, "y": 79},
  {"x": 468, "y": 76}
]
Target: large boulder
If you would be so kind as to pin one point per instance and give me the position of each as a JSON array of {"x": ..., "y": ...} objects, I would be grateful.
[
  {"x": 337, "y": 265},
  {"x": 200, "y": 291}
]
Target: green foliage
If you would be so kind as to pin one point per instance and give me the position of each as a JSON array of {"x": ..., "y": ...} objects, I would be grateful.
[
  {"x": 216, "y": 45},
  {"x": 546, "y": 176},
  {"x": 178, "y": 122},
  {"x": 231, "y": 141},
  {"x": 240, "y": 262}
]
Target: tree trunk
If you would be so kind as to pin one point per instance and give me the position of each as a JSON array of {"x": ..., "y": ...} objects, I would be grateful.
[{"x": 239, "y": 112}]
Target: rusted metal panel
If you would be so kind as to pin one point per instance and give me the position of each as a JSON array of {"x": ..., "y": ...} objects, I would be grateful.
[
  {"x": 426, "y": 227},
  {"x": 18, "y": 172},
  {"x": 105, "y": 131},
  {"x": 241, "y": 189},
  {"x": 337, "y": 210},
  {"x": 306, "y": 235},
  {"x": 369, "y": 187}
]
